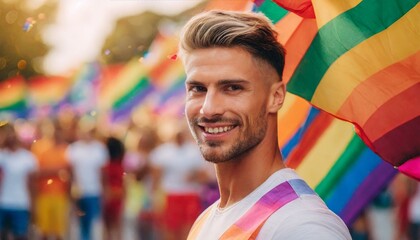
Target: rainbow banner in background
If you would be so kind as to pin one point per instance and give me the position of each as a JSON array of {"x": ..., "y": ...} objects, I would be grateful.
[
  {"x": 46, "y": 90},
  {"x": 13, "y": 93},
  {"x": 363, "y": 66}
]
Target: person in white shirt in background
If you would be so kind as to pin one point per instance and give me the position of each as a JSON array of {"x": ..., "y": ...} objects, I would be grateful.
[
  {"x": 87, "y": 156},
  {"x": 18, "y": 167},
  {"x": 234, "y": 67},
  {"x": 177, "y": 169}
]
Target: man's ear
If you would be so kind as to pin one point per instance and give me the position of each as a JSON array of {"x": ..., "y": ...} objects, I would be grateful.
[{"x": 277, "y": 94}]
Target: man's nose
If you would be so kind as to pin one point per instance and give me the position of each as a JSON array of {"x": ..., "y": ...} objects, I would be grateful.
[{"x": 212, "y": 105}]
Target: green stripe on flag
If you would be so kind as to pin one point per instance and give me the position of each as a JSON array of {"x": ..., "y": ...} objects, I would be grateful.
[
  {"x": 273, "y": 11},
  {"x": 347, "y": 158},
  {"x": 19, "y": 106},
  {"x": 342, "y": 34},
  {"x": 142, "y": 84}
]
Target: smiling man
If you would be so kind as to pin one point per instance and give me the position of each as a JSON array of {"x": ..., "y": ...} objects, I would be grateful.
[{"x": 234, "y": 87}]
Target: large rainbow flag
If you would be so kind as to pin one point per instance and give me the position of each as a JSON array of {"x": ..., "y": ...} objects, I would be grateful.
[{"x": 362, "y": 65}]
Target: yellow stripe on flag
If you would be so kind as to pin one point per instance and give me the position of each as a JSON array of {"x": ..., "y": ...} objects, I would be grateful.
[
  {"x": 326, "y": 10},
  {"x": 329, "y": 147},
  {"x": 396, "y": 43}
]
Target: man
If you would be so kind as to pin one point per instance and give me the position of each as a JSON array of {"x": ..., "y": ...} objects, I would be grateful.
[
  {"x": 234, "y": 87},
  {"x": 17, "y": 169},
  {"x": 87, "y": 156},
  {"x": 53, "y": 182}
]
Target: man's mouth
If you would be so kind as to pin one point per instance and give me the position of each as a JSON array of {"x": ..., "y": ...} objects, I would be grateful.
[{"x": 216, "y": 130}]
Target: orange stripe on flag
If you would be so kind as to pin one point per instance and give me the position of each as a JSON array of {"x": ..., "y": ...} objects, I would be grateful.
[
  {"x": 404, "y": 107},
  {"x": 234, "y": 5},
  {"x": 297, "y": 43},
  {"x": 389, "y": 81},
  {"x": 291, "y": 117},
  {"x": 318, "y": 127}
]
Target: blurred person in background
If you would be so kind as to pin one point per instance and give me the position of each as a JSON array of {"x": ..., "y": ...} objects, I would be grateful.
[
  {"x": 177, "y": 170},
  {"x": 413, "y": 209},
  {"x": 138, "y": 214},
  {"x": 53, "y": 184},
  {"x": 87, "y": 156},
  {"x": 147, "y": 219},
  {"x": 381, "y": 217},
  {"x": 113, "y": 189},
  {"x": 17, "y": 168},
  {"x": 43, "y": 136},
  {"x": 360, "y": 229}
]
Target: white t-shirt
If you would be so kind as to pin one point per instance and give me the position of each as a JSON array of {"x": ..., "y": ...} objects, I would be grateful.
[
  {"x": 306, "y": 217},
  {"x": 177, "y": 163},
  {"x": 87, "y": 159},
  {"x": 16, "y": 167}
]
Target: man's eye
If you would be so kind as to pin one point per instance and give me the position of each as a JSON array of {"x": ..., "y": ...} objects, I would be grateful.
[
  {"x": 197, "y": 89},
  {"x": 234, "y": 88}
]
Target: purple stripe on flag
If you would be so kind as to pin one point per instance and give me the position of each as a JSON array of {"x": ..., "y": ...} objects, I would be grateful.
[{"x": 367, "y": 190}]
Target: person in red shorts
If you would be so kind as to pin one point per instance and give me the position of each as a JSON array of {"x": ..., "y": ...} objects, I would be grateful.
[
  {"x": 176, "y": 167},
  {"x": 113, "y": 183}
]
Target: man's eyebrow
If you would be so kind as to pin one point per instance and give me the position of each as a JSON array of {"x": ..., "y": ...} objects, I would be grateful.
[
  {"x": 232, "y": 81},
  {"x": 193, "y": 82},
  {"x": 220, "y": 82}
]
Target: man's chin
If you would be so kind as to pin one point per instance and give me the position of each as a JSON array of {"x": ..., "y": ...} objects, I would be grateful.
[{"x": 211, "y": 154}]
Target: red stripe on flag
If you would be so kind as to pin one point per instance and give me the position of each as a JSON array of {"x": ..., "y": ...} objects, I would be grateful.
[
  {"x": 317, "y": 128},
  {"x": 395, "y": 112},
  {"x": 408, "y": 141}
]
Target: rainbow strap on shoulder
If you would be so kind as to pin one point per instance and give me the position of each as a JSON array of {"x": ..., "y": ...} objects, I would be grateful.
[{"x": 249, "y": 225}]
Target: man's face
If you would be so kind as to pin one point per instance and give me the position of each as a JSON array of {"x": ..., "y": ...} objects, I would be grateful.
[{"x": 226, "y": 102}]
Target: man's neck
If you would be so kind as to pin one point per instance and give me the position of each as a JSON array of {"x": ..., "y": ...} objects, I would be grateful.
[{"x": 238, "y": 178}]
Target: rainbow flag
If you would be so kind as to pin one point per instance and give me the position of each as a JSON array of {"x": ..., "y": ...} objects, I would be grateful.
[
  {"x": 13, "y": 92},
  {"x": 82, "y": 95},
  {"x": 128, "y": 87},
  {"x": 362, "y": 65},
  {"x": 47, "y": 90}
]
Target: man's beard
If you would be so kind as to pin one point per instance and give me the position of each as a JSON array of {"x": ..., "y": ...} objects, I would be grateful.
[{"x": 246, "y": 142}]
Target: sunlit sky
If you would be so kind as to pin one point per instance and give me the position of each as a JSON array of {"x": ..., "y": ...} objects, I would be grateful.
[{"x": 81, "y": 27}]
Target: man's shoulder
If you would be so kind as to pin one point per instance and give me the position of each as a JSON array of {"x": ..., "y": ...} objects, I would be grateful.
[{"x": 304, "y": 218}]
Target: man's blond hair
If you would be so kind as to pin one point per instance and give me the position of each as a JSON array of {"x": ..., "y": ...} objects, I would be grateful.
[{"x": 252, "y": 32}]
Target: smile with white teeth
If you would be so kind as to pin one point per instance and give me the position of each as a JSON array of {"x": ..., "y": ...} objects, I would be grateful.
[{"x": 217, "y": 129}]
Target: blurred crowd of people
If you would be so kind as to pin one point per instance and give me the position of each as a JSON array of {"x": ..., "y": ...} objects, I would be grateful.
[
  {"x": 72, "y": 179},
  {"x": 392, "y": 215},
  {"x": 69, "y": 178}
]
